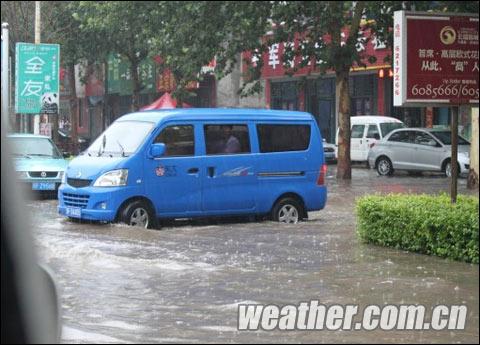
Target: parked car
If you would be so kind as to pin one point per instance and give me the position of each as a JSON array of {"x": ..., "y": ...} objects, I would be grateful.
[
  {"x": 329, "y": 151},
  {"x": 39, "y": 164},
  {"x": 187, "y": 163},
  {"x": 367, "y": 131},
  {"x": 418, "y": 149}
]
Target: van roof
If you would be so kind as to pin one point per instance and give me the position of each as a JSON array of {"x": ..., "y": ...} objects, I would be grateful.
[
  {"x": 373, "y": 119},
  {"x": 212, "y": 114}
]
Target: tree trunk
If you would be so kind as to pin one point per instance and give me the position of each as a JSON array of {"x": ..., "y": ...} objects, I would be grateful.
[
  {"x": 55, "y": 127},
  {"x": 73, "y": 108},
  {"x": 472, "y": 182},
  {"x": 136, "y": 85},
  {"x": 344, "y": 167}
]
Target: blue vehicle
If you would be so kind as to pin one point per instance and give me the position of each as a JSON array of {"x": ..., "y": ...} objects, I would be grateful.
[
  {"x": 38, "y": 162},
  {"x": 186, "y": 163}
]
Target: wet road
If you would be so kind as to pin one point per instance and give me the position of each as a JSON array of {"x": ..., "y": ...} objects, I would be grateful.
[{"x": 183, "y": 283}]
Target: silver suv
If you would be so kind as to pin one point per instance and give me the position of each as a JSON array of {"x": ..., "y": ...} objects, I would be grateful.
[{"x": 418, "y": 149}]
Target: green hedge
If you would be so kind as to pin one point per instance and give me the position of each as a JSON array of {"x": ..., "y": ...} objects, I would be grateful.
[{"x": 427, "y": 224}]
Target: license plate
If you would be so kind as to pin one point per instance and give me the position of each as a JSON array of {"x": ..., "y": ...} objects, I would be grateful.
[
  {"x": 43, "y": 186},
  {"x": 73, "y": 212}
]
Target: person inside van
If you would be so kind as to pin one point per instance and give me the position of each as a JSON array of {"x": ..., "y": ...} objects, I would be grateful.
[{"x": 232, "y": 144}]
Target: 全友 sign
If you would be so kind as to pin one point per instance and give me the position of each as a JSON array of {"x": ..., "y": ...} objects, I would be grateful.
[{"x": 37, "y": 71}]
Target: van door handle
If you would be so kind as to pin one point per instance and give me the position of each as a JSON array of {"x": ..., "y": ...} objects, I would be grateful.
[
  {"x": 192, "y": 171},
  {"x": 211, "y": 171}
]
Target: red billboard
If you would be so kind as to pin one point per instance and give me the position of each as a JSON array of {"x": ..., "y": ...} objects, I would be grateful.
[{"x": 435, "y": 59}]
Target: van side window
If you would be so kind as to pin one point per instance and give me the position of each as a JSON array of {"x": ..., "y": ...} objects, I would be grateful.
[
  {"x": 226, "y": 139},
  {"x": 372, "y": 132},
  {"x": 283, "y": 138},
  {"x": 179, "y": 140},
  {"x": 357, "y": 131}
]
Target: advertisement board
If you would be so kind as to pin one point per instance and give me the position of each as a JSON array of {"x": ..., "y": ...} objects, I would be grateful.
[
  {"x": 435, "y": 59},
  {"x": 37, "y": 69}
]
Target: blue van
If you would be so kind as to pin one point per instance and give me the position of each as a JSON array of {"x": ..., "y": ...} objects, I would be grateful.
[{"x": 186, "y": 163}]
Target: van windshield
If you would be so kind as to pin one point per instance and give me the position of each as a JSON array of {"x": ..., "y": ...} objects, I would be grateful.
[
  {"x": 122, "y": 138},
  {"x": 387, "y": 127}
]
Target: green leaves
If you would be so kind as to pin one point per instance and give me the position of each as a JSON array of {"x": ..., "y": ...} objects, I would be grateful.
[{"x": 421, "y": 223}]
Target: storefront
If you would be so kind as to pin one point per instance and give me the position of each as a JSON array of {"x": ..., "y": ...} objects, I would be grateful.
[{"x": 370, "y": 89}]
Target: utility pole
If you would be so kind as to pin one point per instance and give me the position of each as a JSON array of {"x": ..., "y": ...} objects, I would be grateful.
[
  {"x": 5, "y": 77},
  {"x": 38, "y": 38},
  {"x": 454, "y": 158}
]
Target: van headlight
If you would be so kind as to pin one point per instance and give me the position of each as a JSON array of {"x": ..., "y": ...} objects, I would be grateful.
[{"x": 112, "y": 178}]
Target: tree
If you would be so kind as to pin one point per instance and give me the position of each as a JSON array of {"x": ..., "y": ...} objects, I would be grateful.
[
  {"x": 126, "y": 27},
  {"x": 331, "y": 31},
  {"x": 192, "y": 33},
  {"x": 78, "y": 46}
]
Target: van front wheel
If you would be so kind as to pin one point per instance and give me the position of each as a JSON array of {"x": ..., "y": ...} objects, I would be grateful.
[
  {"x": 288, "y": 211},
  {"x": 138, "y": 213}
]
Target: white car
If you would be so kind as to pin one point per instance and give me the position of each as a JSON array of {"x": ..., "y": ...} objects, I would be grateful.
[
  {"x": 367, "y": 131},
  {"x": 419, "y": 149}
]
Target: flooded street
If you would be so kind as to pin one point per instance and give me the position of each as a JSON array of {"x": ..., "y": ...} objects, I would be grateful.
[{"x": 184, "y": 282}]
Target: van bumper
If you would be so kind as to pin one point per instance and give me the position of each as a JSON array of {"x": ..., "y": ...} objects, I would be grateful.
[
  {"x": 316, "y": 199},
  {"x": 93, "y": 203}
]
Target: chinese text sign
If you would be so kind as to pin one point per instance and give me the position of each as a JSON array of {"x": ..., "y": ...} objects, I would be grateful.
[
  {"x": 37, "y": 78},
  {"x": 435, "y": 59}
]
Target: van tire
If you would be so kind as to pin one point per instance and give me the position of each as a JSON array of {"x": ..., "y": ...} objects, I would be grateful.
[
  {"x": 138, "y": 213},
  {"x": 288, "y": 210},
  {"x": 384, "y": 166}
]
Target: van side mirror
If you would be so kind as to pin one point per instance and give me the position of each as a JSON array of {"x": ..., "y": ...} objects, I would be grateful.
[
  {"x": 376, "y": 136},
  {"x": 432, "y": 143},
  {"x": 157, "y": 150}
]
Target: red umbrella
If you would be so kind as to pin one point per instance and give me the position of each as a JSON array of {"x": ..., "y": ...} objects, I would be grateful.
[{"x": 164, "y": 102}]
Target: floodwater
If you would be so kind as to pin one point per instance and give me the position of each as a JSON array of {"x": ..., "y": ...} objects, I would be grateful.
[{"x": 183, "y": 283}]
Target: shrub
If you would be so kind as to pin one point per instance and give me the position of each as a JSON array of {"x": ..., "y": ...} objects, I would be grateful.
[{"x": 425, "y": 224}]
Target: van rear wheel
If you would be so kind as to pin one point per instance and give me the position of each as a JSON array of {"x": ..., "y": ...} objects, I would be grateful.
[
  {"x": 288, "y": 210},
  {"x": 138, "y": 213}
]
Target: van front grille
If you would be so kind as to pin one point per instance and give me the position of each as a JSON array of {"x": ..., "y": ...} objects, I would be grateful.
[
  {"x": 78, "y": 183},
  {"x": 76, "y": 200}
]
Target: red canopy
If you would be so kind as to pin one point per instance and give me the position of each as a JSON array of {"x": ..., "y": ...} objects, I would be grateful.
[{"x": 164, "y": 102}]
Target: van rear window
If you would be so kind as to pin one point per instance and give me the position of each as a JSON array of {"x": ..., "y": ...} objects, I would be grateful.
[{"x": 283, "y": 138}]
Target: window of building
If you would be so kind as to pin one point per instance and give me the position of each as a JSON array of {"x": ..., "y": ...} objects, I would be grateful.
[
  {"x": 283, "y": 138},
  {"x": 284, "y": 95},
  {"x": 363, "y": 94},
  {"x": 179, "y": 140},
  {"x": 226, "y": 139}
]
